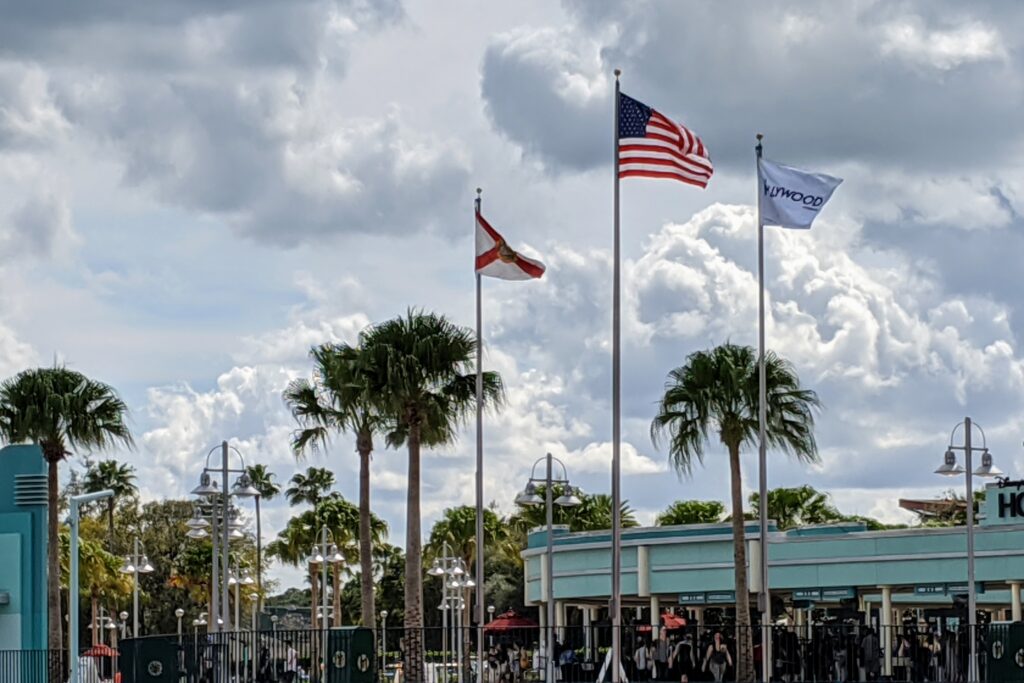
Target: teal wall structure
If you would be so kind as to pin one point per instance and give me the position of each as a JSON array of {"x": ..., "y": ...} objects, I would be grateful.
[
  {"x": 682, "y": 564},
  {"x": 22, "y": 548}
]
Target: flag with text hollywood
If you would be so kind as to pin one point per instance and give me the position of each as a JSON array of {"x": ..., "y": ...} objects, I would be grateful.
[{"x": 791, "y": 198}]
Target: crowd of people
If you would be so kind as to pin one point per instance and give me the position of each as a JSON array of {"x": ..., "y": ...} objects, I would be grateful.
[{"x": 833, "y": 651}]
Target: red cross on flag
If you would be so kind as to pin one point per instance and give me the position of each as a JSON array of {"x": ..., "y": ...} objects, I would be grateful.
[{"x": 494, "y": 258}]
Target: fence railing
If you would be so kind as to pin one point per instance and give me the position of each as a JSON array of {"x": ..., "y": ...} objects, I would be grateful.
[{"x": 580, "y": 654}]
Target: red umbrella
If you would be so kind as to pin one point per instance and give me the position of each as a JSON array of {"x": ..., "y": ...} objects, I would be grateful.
[
  {"x": 672, "y": 620},
  {"x": 100, "y": 651},
  {"x": 508, "y": 621}
]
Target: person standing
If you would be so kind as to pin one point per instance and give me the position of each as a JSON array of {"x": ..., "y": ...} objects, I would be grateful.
[
  {"x": 870, "y": 653},
  {"x": 662, "y": 650},
  {"x": 291, "y": 663}
]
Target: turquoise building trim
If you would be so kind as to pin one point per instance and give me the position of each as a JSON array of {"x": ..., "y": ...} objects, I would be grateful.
[
  {"x": 23, "y": 543},
  {"x": 677, "y": 564}
]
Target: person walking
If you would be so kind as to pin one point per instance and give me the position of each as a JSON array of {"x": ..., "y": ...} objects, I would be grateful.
[
  {"x": 642, "y": 661},
  {"x": 683, "y": 659},
  {"x": 717, "y": 657},
  {"x": 291, "y": 663}
]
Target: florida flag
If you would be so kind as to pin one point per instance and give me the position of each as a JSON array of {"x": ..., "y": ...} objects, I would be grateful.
[{"x": 494, "y": 258}]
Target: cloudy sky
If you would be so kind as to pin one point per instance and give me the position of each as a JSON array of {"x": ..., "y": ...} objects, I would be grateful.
[{"x": 192, "y": 194}]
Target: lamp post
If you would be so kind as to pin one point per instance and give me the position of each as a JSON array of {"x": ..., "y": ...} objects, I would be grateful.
[
  {"x": 455, "y": 580},
  {"x": 273, "y": 623},
  {"x": 951, "y": 468},
  {"x": 124, "y": 624},
  {"x": 76, "y": 503},
  {"x": 135, "y": 564},
  {"x": 179, "y": 613},
  {"x": 220, "y": 503},
  {"x": 384, "y": 643},
  {"x": 568, "y": 498},
  {"x": 324, "y": 554}
]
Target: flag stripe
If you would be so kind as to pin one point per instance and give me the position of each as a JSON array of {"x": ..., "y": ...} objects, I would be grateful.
[
  {"x": 529, "y": 266},
  {"x": 494, "y": 258},
  {"x": 640, "y": 152},
  {"x": 662, "y": 174},
  {"x": 646, "y": 145},
  {"x": 668, "y": 164}
]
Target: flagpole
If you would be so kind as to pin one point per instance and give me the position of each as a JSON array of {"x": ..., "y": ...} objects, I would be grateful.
[
  {"x": 762, "y": 413},
  {"x": 616, "y": 607},
  {"x": 479, "y": 468}
]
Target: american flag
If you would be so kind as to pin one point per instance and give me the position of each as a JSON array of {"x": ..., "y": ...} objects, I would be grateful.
[{"x": 653, "y": 146}]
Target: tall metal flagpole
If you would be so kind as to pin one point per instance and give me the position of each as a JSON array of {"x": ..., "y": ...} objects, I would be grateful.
[
  {"x": 616, "y": 607},
  {"x": 762, "y": 414},
  {"x": 479, "y": 468}
]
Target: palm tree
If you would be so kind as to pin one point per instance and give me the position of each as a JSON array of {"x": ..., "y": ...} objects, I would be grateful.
[
  {"x": 302, "y": 533},
  {"x": 310, "y": 487},
  {"x": 60, "y": 410},
  {"x": 263, "y": 481},
  {"x": 338, "y": 400},
  {"x": 800, "y": 506},
  {"x": 424, "y": 385},
  {"x": 691, "y": 512},
  {"x": 715, "y": 394},
  {"x": 113, "y": 475}
]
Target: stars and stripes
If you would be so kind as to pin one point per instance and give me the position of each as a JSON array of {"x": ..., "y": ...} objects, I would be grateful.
[
  {"x": 494, "y": 258},
  {"x": 653, "y": 146}
]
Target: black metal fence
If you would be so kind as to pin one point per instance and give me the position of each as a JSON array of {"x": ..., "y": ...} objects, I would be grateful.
[
  {"x": 835, "y": 652},
  {"x": 31, "y": 666}
]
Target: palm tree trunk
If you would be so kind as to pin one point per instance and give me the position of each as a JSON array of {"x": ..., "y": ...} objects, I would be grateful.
[
  {"x": 744, "y": 642},
  {"x": 53, "y": 602},
  {"x": 413, "y": 653},
  {"x": 369, "y": 614},
  {"x": 259, "y": 558},
  {"x": 110, "y": 525},
  {"x": 336, "y": 582},
  {"x": 95, "y": 606},
  {"x": 314, "y": 598}
]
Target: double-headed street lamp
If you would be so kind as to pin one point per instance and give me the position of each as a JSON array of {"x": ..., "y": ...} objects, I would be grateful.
[
  {"x": 951, "y": 468},
  {"x": 135, "y": 564},
  {"x": 220, "y": 514},
  {"x": 568, "y": 498}
]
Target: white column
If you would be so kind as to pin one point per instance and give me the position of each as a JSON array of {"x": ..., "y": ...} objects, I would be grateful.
[
  {"x": 698, "y": 615},
  {"x": 560, "y": 619},
  {"x": 1015, "y": 600},
  {"x": 886, "y": 634},
  {"x": 643, "y": 572},
  {"x": 655, "y": 616},
  {"x": 588, "y": 635}
]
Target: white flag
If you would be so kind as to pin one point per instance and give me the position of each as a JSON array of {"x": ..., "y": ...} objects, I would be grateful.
[{"x": 792, "y": 198}]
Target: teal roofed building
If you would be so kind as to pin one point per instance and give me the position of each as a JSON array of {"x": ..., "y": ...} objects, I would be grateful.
[
  {"x": 690, "y": 568},
  {"x": 23, "y": 545}
]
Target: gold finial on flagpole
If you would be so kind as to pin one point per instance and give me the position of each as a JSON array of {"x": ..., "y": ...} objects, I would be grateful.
[
  {"x": 479, "y": 191},
  {"x": 759, "y": 137},
  {"x": 618, "y": 72}
]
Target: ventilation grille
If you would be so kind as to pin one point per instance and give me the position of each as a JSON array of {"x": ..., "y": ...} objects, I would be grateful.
[{"x": 30, "y": 489}]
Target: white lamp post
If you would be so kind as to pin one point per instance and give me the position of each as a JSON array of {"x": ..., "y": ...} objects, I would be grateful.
[
  {"x": 135, "y": 564},
  {"x": 951, "y": 468},
  {"x": 454, "y": 579},
  {"x": 568, "y": 498},
  {"x": 219, "y": 500}
]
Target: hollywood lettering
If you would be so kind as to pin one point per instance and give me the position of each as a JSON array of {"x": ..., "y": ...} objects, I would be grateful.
[
  {"x": 810, "y": 202},
  {"x": 1011, "y": 505}
]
